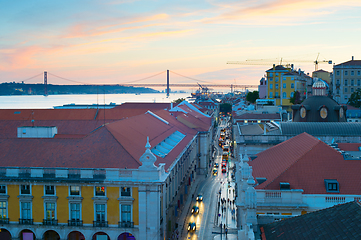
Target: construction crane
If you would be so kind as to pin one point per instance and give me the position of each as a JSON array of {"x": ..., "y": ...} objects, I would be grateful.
[
  {"x": 204, "y": 89},
  {"x": 281, "y": 62}
]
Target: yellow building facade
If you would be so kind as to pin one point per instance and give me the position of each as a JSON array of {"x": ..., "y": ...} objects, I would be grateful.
[
  {"x": 68, "y": 210},
  {"x": 283, "y": 82}
]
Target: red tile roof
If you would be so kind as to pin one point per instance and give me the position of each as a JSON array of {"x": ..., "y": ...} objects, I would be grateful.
[
  {"x": 86, "y": 144},
  {"x": 144, "y": 105},
  {"x": 349, "y": 146},
  {"x": 305, "y": 162},
  {"x": 47, "y": 114}
]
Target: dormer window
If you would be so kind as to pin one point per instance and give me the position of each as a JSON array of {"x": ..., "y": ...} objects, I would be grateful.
[
  {"x": 25, "y": 189},
  {"x": 285, "y": 186},
  {"x": 331, "y": 185}
]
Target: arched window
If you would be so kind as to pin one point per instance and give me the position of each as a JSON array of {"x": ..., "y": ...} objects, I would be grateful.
[{"x": 284, "y": 94}]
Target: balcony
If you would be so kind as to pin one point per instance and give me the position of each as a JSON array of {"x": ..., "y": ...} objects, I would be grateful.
[
  {"x": 280, "y": 198},
  {"x": 100, "y": 223},
  {"x": 125, "y": 224},
  {"x": 26, "y": 221},
  {"x": 75, "y": 222},
  {"x": 52, "y": 222},
  {"x": 4, "y": 220}
]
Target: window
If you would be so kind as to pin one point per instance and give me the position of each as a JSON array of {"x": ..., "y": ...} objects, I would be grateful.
[
  {"x": 99, "y": 212},
  {"x": 271, "y": 86},
  {"x": 352, "y": 82},
  {"x": 271, "y": 95},
  {"x": 276, "y": 79},
  {"x": 49, "y": 190},
  {"x": 331, "y": 185},
  {"x": 125, "y": 191},
  {"x": 338, "y": 73},
  {"x": 100, "y": 191},
  {"x": 352, "y": 90},
  {"x": 74, "y": 190},
  {"x": 276, "y": 94},
  {"x": 24, "y": 189},
  {"x": 292, "y": 85},
  {"x": 284, "y": 78},
  {"x": 292, "y": 78},
  {"x": 2, "y": 189},
  {"x": 276, "y": 74},
  {"x": 285, "y": 186},
  {"x": 25, "y": 210},
  {"x": 125, "y": 213},
  {"x": 338, "y": 81},
  {"x": 271, "y": 74},
  {"x": 346, "y": 82},
  {"x": 3, "y": 211},
  {"x": 352, "y": 73},
  {"x": 292, "y": 94},
  {"x": 346, "y": 73},
  {"x": 270, "y": 79},
  {"x": 345, "y": 89},
  {"x": 358, "y": 73},
  {"x": 284, "y": 94},
  {"x": 284, "y": 85},
  {"x": 276, "y": 86},
  {"x": 50, "y": 211},
  {"x": 358, "y": 82},
  {"x": 338, "y": 91},
  {"x": 75, "y": 211}
]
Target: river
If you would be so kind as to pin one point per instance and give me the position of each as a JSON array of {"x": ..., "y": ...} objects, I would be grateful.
[{"x": 39, "y": 101}]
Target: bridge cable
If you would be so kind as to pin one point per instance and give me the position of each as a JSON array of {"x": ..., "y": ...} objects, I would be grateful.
[
  {"x": 69, "y": 79},
  {"x": 190, "y": 77},
  {"x": 31, "y": 77},
  {"x": 144, "y": 78}
]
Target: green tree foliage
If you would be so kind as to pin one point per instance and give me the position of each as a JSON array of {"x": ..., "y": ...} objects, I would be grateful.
[
  {"x": 296, "y": 99},
  {"x": 225, "y": 107},
  {"x": 355, "y": 99},
  {"x": 179, "y": 100},
  {"x": 252, "y": 96}
]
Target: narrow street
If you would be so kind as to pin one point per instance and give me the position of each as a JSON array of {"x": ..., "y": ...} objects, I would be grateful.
[{"x": 212, "y": 212}]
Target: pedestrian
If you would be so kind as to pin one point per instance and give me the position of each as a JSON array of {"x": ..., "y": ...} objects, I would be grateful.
[
  {"x": 226, "y": 231},
  {"x": 224, "y": 226}
]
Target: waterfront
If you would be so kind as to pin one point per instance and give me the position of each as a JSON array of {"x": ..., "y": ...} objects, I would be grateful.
[{"x": 39, "y": 101}]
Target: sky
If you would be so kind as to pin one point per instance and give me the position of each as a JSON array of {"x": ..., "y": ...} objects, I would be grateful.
[{"x": 125, "y": 41}]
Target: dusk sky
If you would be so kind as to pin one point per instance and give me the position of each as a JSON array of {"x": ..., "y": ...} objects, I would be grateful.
[{"x": 119, "y": 41}]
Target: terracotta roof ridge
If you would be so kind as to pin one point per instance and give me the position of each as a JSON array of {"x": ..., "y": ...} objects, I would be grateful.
[
  {"x": 138, "y": 161},
  {"x": 306, "y": 152}
]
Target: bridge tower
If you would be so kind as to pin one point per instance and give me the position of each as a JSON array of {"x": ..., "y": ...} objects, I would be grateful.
[
  {"x": 167, "y": 83},
  {"x": 45, "y": 83}
]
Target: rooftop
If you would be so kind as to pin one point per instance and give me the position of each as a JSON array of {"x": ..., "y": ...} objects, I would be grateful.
[{"x": 337, "y": 222}]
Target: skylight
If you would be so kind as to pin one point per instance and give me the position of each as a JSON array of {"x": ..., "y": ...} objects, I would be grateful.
[{"x": 164, "y": 147}]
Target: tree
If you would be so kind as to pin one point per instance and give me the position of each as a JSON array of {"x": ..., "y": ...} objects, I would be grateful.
[
  {"x": 296, "y": 99},
  {"x": 179, "y": 100},
  {"x": 252, "y": 96},
  {"x": 355, "y": 99},
  {"x": 225, "y": 107}
]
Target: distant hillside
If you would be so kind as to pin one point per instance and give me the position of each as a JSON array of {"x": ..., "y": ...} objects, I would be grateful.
[{"x": 38, "y": 89}]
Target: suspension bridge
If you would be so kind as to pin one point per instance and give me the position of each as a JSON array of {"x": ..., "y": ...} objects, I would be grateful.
[{"x": 136, "y": 83}]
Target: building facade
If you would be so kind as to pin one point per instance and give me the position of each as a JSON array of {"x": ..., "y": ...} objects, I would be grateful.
[
  {"x": 126, "y": 179},
  {"x": 283, "y": 82},
  {"x": 346, "y": 80}
]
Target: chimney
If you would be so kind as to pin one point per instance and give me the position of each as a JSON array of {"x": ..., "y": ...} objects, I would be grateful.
[{"x": 352, "y": 58}]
